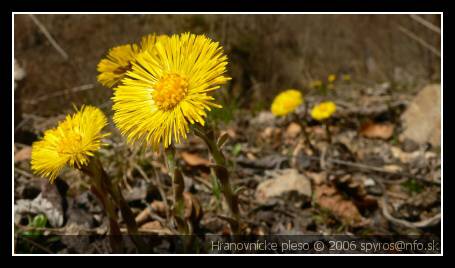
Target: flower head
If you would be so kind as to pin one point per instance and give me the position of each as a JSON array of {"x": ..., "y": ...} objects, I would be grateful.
[
  {"x": 71, "y": 143},
  {"x": 347, "y": 77},
  {"x": 119, "y": 59},
  {"x": 286, "y": 102},
  {"x": 323, "y": 110},
  {"x": 316, "y": 84},
  {"x": 168, "y": 89},
  {"x": 331, "y": 78},
  {"x": 112, "y": 69}
]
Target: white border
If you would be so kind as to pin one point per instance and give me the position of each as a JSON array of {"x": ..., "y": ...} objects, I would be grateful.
[{"x": 227, "y": 13}]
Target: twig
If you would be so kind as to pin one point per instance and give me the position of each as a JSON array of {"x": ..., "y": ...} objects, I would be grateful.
[
  {"x": 60, "y": 93},
  {"x": 94, "y": 231},
  {"x": 419, "y": 40},
  {"x": 21, "y": 124},
  {"x": 420, "y": 224},
  {"x": 426, "y": 23},
  {"x": 157, "y": 184},
  {"x": 43, "y": 248},
  {"x": 368, "y": 167},
  {"x": 382, "y": 202},
  {"x": 49, "y": 36},
  {"x": 23, "y": 172}
]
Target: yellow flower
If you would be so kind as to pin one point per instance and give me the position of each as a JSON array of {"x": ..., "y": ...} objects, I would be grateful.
[
  {"x": 71, "y": 143},
  {"x": 286, "y": 102},
  {"x": 347, "y": 77},
  {"x": 167, "y": 89},
  {"x": 112, "y": 69},
  {"x": 119, "y": 59},
  {"x": 331, "y": 78},
  {"x": 316, "y": 84},
  {"x": 323, "y": 110},
  {"x": 148, "y": 42}
]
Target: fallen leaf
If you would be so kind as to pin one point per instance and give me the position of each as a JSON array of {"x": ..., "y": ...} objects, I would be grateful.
[
  {"x": 194, "y": 159},
  {"x": 317, "y": 178},
  {"x": 328, "y": 197},
  {"x": 156, "y": 207},
  {"x": 159, "y": 207},
  {"x": 152, "y": 225},
  {"x": 23, "y": 154},
  {"x": 377, "y": 130},
  {"x": 393, "y": 168},
  {"x": 293, "y": 130},
  {"x": 271, "y": 133}
]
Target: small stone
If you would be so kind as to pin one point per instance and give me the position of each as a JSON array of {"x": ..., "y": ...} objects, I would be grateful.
[
  {"x": 286, "y": 183},
  {"x": 422, "y": 119}
]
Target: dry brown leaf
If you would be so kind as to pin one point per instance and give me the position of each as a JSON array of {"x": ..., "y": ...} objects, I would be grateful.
[
  {"x": 194, "y": 159},
  {"x": 193, "y": 208},
  {"x": 152, "y": 225},
  {"x": 271, "y": 133},
  {"x": 23, "y": 154},
  {"x": 292, "y": 131},
  {"x": 159, "y": 207},
  {"x": 317, "y": 178},
  {"x": 328, "y": 197},
  {"x": 377, "y": 130}
]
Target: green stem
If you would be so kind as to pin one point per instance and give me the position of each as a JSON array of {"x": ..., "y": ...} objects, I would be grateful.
[
  {"x": 178, "y": 187},
  {"x": 303, "y": 124},
  {"x": 100, "y": 192},
  {"x": 99, "y": 175},
  {"x": 222, "y": 174}
]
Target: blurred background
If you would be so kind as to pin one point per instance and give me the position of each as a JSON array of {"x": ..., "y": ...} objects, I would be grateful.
[{"x": 268, "y": 53}]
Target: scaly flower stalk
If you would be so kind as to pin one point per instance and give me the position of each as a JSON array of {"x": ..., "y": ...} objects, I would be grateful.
[
  {"x": 222, "y": 173},
  {"x": 74, "y": 143},
  {"x": 178, "y": 186}
]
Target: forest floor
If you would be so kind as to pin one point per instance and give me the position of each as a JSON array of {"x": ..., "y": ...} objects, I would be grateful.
[{"x": 363, "y": 180}]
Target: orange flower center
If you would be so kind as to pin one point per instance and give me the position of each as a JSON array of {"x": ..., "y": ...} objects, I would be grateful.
[{"x": 170, "y": 90}]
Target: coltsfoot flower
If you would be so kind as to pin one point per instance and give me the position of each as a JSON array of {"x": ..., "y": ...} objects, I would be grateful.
[
  {"x": 71, "y": 143},
  {"x": 346, "y": 77},
  {"x": 331, "y": 78},
  {"x": 286, "y": 102},
  {"x": 168, "y": 89},
  {"x": 112, "y": 69},
  {"x": 119, "y": 59},
  {"x": 323, "y": 110},
  {"x": 316, "y": 84}
]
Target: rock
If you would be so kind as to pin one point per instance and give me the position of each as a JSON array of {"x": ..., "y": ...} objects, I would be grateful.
[
  {"x": 286, "y": 183},
  {"x": 39, "y": 205},
  {"x": 422, "y": 119},
  {"x": 49, "y": 202},
  {"x": 264, "y": 118}
]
